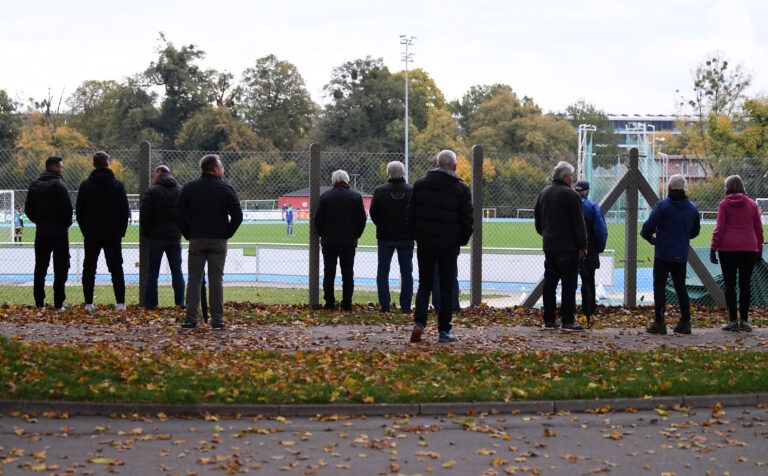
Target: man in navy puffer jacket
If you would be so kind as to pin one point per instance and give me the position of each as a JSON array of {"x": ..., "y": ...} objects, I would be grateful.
[{"x": 674, "y": 221}]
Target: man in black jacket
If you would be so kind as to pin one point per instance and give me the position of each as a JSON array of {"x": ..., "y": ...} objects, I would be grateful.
[
  {"x": 440, "y": 215},
  {"x": 157, "y": 223},
  {"x": 559, "y": 220},
  {"x": 48, "y": 205},
  {"x": 208, "y": 213},
  {"x": 103, "y": 214},
  {"x": 388, "y": 208},
  {"x": 339, "y": 221}
]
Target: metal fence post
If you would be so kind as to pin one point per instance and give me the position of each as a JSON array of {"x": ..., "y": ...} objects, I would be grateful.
[
  {"x": 630, "y": 235},
  {"x": 144, "y": 173},
  {"x": 476, "y": 257},
  {"x": 314, "y": 239}
]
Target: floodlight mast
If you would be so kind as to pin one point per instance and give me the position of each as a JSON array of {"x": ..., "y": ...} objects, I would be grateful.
[{"x": 407, "y": 58}]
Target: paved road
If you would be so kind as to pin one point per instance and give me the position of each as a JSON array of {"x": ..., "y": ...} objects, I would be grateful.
[{"x": 728, "y": 441}]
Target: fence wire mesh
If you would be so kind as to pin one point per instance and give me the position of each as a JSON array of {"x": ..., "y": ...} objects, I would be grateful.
[{"x": 264, "y": 253}]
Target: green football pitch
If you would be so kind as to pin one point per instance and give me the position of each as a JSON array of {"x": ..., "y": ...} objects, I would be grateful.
[{"x": 495, "y": 235}]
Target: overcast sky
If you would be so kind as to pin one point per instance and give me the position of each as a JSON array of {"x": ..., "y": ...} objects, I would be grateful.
[{"x": 624, "y": 57}]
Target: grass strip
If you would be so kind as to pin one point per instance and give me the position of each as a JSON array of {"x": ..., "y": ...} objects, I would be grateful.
[{"x": 39, "y": 371}]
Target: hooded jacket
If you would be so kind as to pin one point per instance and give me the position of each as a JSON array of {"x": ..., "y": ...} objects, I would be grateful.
[
  {"x": 739, "y": 227},
  {"x": 156, "y": 211},
  {"x": 559, "y": 218},
  {"x": 102, "y": 206},
  {"x": 48, "y": 204},
  {"x": 597, "y": 232},
  {"x": 388, "y": 207},
  {"x": 340, "y": 216},
  {"x": 440, "y": 210},
  {"x": 675, "y": 221}
]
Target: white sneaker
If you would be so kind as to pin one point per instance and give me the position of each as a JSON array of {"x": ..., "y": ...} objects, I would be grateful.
[
  {"x": 89, "y": 307},
  {"x": 120, "y": 306},
  {"x": 62, "y": 308}
]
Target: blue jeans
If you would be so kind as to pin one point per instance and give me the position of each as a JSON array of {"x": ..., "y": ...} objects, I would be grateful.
[
  {"x": 405, "y": 260},
  {"x": 172, "y": 250}
]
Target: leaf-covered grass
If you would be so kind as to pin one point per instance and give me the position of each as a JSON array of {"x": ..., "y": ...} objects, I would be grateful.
[{"x": 39, "y": 371}]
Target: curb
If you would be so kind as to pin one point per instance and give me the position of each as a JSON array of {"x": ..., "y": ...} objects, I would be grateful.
[{"x": 381, "y": 409}]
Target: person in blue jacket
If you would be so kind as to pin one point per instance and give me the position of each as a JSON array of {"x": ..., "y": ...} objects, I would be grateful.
[
  {"x": 18, "y": 227},
  {"x": 674, "y": 221},
  {"x": 597, "y": 234},
  {"x": 289, "y": 220}
]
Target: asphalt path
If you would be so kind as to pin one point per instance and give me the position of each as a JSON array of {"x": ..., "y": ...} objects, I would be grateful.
[{"x": 674, "y": 441}]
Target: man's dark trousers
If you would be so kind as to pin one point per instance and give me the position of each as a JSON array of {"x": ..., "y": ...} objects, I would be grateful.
[
  {"x": 172, "y": 250},
  {"x": 445, "y": 258},
  {"x": 588, "y": 298},
  {"x": 346, "y": 258},
  {"x": 45, "y": 244},
  {"x": 560, "y": 265},
  {"x": 661, "y": 269},
  {"x": 113, "y": 255}
]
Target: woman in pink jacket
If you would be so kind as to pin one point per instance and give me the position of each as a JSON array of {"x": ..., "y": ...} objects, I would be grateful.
[{"x": 738, "y": 237}]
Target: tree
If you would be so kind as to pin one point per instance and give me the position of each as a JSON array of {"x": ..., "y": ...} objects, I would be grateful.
[
  {"x": 363, "y": 107},
  {"x": 464, "y": 108},
  {"x": 716, "y": 89},
  {"x": 423, "y": 96},
  {"x": 216, "y": 129},
  {"x": 505, "y": 126},
  {"x": 38, "y": 133},
  {"x": 275, "y": 102},
  {"x": 441, "y": 132},
  {"x": 10, "y": 121},
  {"x": 113, "y": 115},
  {"x": 188, "y": 88},
  {"x": 605, "y": 140}
]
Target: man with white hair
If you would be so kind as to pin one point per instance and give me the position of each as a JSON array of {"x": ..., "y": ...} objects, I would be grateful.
[
  {"x": 388, "y": 207},
  {"x": 674, "y": 221},
  {"x": 440, "y": 215},
  {"x": 339, "y": 221},
  {"x": 559, "y": 219}
]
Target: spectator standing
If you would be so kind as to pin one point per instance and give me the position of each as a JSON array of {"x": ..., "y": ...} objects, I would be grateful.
[
  {"x": 738, "y": 237},
  {"x": 49, "y": 207},
  {"x": 673, "y": 222},
  {"x": 103, "y": 214},
  {"x": 597, "y": 234},
  {"x": 559, "y": 219},
  {"x": 158, "y": 225},
  {"x": 339, "y": 221},
  {"x": 440, "y": 215},
  {"x": 18, "y": 227},
  {"x": 388, "y": 208},
  {"x": 289, "y": 220},
  {"x": 208, "y": 213}
]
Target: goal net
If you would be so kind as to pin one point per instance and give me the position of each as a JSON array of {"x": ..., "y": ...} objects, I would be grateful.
[
  {"x": 489, "y": 213},
  {"x": 7, "y": 211},
  {"x": 255, "y": 205}
]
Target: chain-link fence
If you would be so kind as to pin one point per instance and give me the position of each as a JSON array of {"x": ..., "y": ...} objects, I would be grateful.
[{"x": 265, "y": 252}]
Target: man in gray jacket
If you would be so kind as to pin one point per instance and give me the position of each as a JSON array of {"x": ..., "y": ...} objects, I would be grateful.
[{"x": 559, "y": 220}]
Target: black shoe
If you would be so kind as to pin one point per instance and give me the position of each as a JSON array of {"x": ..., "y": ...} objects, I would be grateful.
[
  {"x": 657, "y": 328},
  {"x": 682, "y": 328},
  {"x": 573, "y": 327},
  {"x": 188, "y": 325},
  {"x": 731, "y": 326},
  {"x": 329, "y": 306},
  {"x": 218, "y": 326},
  {"x": 551, "y": 325},
  {"x": 346, "y": 308},
  {"x": 744, "y": 326}
]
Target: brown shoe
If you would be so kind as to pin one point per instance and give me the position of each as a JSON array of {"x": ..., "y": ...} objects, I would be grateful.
[{"x": 416, "y": 333}]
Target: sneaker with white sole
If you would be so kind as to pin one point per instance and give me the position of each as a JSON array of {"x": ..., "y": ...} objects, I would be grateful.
[
  {"x": 445, "y": 337},
  {"x": 120, "y": 306},
  {"x": 89, "y": 307}
]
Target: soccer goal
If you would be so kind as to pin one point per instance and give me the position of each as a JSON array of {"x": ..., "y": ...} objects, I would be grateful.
[
  {"x": 489, "y": 213},
  {"x": 7, "y": 210},
  {"x": 254, "y": 205}
]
